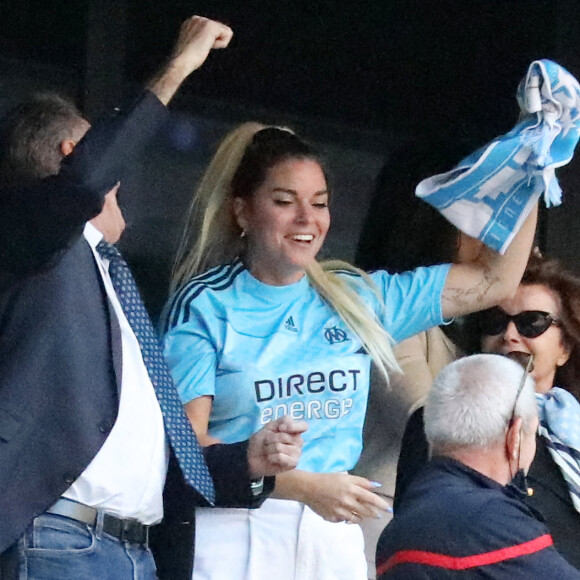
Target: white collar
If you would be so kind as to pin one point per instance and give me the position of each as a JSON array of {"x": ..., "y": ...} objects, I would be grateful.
[{"x": 92, "y": 235}]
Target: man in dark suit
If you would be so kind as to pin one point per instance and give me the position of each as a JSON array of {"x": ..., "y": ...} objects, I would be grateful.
[{"x": 84, "y": 392}]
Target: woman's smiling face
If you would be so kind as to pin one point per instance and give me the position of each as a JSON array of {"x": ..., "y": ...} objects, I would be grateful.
[
  {"x": 286, "y": 221},
  {"x": 548, "y": 348}
]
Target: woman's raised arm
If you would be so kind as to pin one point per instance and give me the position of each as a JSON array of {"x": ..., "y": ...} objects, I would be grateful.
[{"x": 490, "y": 277}]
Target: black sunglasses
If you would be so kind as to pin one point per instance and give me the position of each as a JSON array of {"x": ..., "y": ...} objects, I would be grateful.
[{"x": 530, "y": 323}]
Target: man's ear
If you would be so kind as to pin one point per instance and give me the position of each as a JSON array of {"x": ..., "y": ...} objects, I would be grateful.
[
  {"x": 513, "y": 442},
  {"x": 67, "y": 146}
]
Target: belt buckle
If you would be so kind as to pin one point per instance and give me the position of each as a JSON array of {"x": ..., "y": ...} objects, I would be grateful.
[{"x": 134, "y": 532}]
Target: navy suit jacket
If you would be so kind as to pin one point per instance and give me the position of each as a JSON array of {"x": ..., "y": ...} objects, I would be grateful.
[{"x": 59, "y": 363}]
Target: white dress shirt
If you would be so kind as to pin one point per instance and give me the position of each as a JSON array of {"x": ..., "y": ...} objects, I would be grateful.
[{"x": 127, "y": 475}]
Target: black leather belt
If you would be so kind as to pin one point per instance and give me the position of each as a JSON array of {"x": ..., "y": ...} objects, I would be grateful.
[{"x": 126, "y": 530}]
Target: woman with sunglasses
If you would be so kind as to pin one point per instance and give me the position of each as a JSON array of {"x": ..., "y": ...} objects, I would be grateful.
[{"x": 543, "y": 320}]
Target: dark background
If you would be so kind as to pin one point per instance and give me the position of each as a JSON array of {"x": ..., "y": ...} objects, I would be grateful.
[
  {"x": 359, "y": 77},
  {"x": 404, "y": 64}
]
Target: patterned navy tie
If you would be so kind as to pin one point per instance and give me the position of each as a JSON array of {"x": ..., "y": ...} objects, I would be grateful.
[{"x": 181, "y": 436}]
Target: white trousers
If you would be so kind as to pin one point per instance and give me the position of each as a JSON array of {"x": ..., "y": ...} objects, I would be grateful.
[{"x": 282, "y": 540}]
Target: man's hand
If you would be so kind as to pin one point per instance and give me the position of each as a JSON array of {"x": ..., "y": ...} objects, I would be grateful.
[
  {"x": 197, "y": 37},
  {"x": 276, "y": 447}
]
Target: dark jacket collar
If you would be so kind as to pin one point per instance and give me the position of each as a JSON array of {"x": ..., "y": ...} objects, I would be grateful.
[{"x": 450, "y": 465}]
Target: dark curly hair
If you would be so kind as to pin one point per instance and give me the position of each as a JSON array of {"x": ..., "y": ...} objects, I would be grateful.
[{"x": 565, "y": 285}]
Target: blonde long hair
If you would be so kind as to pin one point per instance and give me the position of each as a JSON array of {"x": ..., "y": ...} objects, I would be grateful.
[{"x": 236, "y": 170}]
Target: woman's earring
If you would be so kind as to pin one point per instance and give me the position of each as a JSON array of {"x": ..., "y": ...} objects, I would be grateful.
[{"x": 243, "y": 234}]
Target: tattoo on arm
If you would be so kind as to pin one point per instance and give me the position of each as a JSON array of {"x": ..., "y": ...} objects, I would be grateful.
[{"x": 465, "y": 298}]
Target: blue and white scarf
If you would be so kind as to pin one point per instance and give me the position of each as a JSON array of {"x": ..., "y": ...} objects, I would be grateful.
[
  {"x": 490, "y": 193},
  {"x": 559, "y": 413}
]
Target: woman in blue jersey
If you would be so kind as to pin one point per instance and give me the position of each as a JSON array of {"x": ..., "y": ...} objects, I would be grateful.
[{"x": 257, "y": 328}]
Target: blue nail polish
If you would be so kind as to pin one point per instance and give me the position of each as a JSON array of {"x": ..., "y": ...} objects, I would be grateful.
[{"x": 376, "y": 484}]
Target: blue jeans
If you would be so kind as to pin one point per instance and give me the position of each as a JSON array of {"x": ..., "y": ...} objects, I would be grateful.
[{"x": 59, "y": 548}]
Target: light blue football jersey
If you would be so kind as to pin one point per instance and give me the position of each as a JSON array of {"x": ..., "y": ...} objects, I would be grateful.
[{"x": 265, "y": 351}]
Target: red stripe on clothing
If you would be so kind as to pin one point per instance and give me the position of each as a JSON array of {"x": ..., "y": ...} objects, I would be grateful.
[{"x": 465, "y": 562}]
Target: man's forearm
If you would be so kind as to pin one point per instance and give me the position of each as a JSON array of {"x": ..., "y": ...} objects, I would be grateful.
[{"x": 197, "y": 37}]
